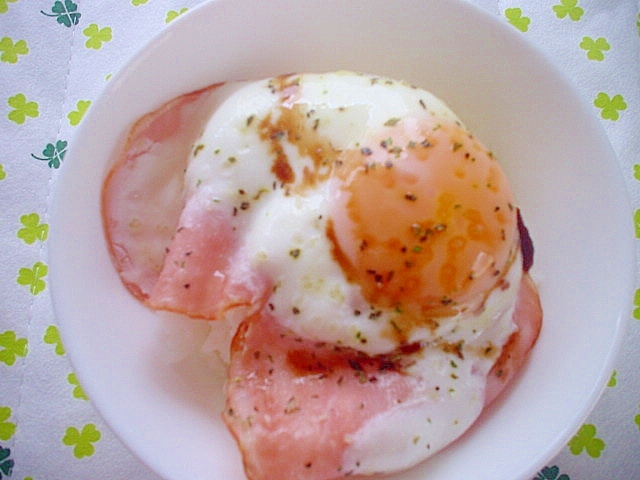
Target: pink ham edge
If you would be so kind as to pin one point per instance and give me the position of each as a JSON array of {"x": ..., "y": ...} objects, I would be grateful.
[
  {"x": 528, "y": 319},
  {"x": 142, "y": 196},
  {"x": 292, "y": 424}
]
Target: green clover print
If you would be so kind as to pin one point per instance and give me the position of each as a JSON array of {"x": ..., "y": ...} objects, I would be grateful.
[
  {"x": 4, "y": 7},
  {"x": 65, "y": 13},
  {"x": 636, "y": 420},
  {"x": 78, "y": 391},
  {"x": 52, "y": 337},
  {"x": 53, "y": 154},
  {"x": 636, "y": 221},
  {"x": 7, "y": 428},
  {"x": 173, "y": 14},
  {"x": 96, "y": 36},
  {"x": 21, "y": 109},
  {"x": 551, "y": 473},
  {"x": 613, "y": 379},
  {"x": 595, "y": 48},
  {"x": 6, "y": 464},
  {"x": 568, "y": 8},
  {"x": 3, "y": 174},
  {"x": 610, "y": 106},
  {"x": 76, "y": 116},
  {"x": 515, "y": 17},
  {"x": 32, "y": 229},
  {"x": 137, "y": 3},
  {"x": 11, "y": 347},
  {"x": 82, "y": 441},
  {"x": 586, "y": 440},
  {"x": 33, "y": 277},
  {"x": 636, "y": 298},
  {"x": 10, "y": 50}
]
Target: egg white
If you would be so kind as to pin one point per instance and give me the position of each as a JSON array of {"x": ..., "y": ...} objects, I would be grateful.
[{"x": 284, "y": 234}]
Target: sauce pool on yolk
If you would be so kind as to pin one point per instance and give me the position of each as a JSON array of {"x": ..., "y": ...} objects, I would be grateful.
[{"x": 424, "y": 219}]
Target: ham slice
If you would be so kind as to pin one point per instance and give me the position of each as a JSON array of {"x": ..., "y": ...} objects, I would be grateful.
[
  {"x": 143, "y": 194},
  {"x": 204, "y": 273},
  {"x": 293, "y": 405},
  {"x": 528, "y": 320},
  {"x": 172, "y": 250}
]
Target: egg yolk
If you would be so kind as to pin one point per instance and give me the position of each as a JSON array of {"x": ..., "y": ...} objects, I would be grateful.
[{"x": 423, "y": 218}]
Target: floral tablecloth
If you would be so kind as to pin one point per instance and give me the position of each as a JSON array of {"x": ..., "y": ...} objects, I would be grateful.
[{"x": 55, "y": 58}]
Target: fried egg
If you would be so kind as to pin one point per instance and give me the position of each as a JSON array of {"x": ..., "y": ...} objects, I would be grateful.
[{"x": 379, "y": 218}]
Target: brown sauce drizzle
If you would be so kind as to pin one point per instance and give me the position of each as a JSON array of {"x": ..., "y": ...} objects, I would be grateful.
[
  {"x": 296, "y": 126},
  {"x": 327, "y": 360}
]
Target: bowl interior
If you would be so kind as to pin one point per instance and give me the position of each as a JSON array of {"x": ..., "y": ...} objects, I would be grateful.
[{"x": 557, "y": 157}]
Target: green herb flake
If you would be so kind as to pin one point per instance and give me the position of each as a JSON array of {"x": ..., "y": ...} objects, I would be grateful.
[
  {"x": 198, "y": 149},
  {"x": 395, "y": 326}
]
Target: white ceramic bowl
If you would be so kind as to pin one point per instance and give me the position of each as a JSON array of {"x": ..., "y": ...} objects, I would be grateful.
[{"x": 560, "y": 163}]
